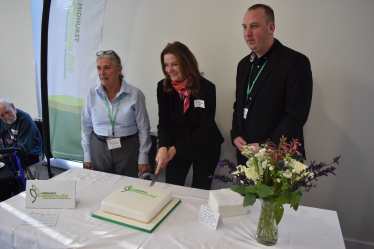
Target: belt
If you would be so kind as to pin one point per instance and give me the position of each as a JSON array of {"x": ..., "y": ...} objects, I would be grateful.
[{"x": 103, "y": 139}]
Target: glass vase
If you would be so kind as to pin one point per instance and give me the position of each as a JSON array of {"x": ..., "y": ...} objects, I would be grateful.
[{"x": 267, "y": 229}]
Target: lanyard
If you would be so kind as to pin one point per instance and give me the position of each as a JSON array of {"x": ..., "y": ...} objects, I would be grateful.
[
  {"x": 115, "y": 115},
  {"x": 249, "y": 90}
]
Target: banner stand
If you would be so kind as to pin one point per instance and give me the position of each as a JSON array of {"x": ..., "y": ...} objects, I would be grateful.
[{"x": 44, "y": 83}]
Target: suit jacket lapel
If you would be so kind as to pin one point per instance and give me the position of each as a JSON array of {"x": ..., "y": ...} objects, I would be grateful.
[
  {"x": 243, "y": 80},
  {"x": 271, "y": 62},
  {"x": 242, "y": 91}
]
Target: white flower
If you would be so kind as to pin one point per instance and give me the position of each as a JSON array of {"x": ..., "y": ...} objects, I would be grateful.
[
  {"x": 287, "y": 174},
  {"x": 260, "y": 169},
  {"x": 293, "y": 171},
  {"x": 252, "y": 174},
  {"x": 249, "y": 163},
  {"x": 264, "y": 164},
  {"x": 240, "y": 169},
  {"x": 298, "y": 166},
  {"x": 278, "y": 180},
  {"x": 271, "y": 167},
  {"x": 311, "y": 175},
  {"x": 251, "y": 147}
]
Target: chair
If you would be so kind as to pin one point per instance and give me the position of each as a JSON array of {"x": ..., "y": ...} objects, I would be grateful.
[
  {"x": 39, "y": 125},
  {"x": 15, "y": 166}
]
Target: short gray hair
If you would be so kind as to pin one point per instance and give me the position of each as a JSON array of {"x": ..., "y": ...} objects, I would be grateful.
[
  {"x": 6, "y": 103},
  {"x": 116, "y": 62}
]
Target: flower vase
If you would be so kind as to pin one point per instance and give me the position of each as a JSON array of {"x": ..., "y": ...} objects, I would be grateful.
[{"x": 267, "y": 229}]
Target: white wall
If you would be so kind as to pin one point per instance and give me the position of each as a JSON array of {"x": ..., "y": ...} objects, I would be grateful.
[
  {"x": 336, "y": 36},
  {"x": 17, "y": 71}
]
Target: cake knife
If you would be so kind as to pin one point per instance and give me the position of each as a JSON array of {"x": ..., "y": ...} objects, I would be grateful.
[{"x": 154, "y": 179}]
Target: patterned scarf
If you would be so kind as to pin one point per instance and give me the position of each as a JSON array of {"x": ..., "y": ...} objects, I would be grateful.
[{"x": 184, "y": 90}]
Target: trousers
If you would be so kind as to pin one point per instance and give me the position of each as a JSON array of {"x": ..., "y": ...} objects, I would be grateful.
[
  {"x": 177, "y": 170},
  {"x": 120, "y": 161}
]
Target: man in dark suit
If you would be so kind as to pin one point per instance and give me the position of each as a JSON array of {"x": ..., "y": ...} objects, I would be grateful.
[{"x": 273, "y": 87}]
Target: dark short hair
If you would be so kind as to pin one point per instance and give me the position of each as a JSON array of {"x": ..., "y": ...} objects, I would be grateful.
[
  {"x": 269, "y": 13},
  {"x": 187, "y": 63}
]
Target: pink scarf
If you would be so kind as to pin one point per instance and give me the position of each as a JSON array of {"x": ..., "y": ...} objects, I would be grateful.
[{"x": 184, "y": 90}]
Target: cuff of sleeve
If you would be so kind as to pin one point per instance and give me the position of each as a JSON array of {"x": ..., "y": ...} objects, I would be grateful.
[
  {"x": 143, "y": 158},
  {"x": 87, "y": 157}
]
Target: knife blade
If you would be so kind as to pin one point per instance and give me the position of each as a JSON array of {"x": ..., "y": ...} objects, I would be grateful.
[{"x": 154, "y": 179}]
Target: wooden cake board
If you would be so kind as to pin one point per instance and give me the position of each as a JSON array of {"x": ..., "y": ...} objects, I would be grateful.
[{"x": 148, "y": 228}]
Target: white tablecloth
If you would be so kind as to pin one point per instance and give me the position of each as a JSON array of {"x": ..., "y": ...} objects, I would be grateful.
[{"x": 76, "y": 228}]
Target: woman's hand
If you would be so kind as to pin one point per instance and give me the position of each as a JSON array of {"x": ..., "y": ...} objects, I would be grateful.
[
  {"x": 162, "y": 158},
  {"x": 171, "y": 153},
  {"x": 87, "y": 165},
  {"x": 144, "y": 168}
]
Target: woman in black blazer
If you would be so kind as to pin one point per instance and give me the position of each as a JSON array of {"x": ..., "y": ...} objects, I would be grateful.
[{"x": 187, "y": 132}]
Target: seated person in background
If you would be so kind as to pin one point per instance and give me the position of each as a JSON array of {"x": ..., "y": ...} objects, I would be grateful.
[
  {"x": 29, "y": 139},
  {"x": 115, "y": 123}
]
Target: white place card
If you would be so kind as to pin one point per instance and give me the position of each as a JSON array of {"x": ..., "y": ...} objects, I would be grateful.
[
  {"x": 50, "y": 194},
  {"x": 41, "y": 219},
  {"x": 209, "y": 217}
]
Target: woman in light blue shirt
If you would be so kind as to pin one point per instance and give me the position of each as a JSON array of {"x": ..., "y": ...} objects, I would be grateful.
[{"x": 115, "y": 124}]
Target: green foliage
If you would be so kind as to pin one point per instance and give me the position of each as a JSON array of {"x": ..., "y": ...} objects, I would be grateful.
[
  {"x": 278, "y": 212},
  {"x": 251, "y": 189},
  {"x": 238, "y": 189},
  {"x": 296, "y": 196},
  {"x": 249, "y": 200},
  {"x": 264, "y": 191},
  {"x": 286, "y": 186}
]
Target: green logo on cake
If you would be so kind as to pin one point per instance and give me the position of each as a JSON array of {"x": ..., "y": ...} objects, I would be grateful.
[{"x": 131, "y": 189}]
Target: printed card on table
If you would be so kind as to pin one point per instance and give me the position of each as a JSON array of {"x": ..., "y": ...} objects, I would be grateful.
[{"x": 209, "y": 217}]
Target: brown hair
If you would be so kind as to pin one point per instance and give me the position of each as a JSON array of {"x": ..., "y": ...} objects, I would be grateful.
[
  {"x": 188, "y": 67},
  {"x": 269, "y": 13}
]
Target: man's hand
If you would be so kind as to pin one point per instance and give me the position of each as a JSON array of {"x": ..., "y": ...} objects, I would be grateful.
[
  {"x": 171, "y": 153},
  {"x": 144, "y": 168},
  {"x": 239, "y": 143},
  {"x": 161, "y": 158},
  {"x": 87, "y": 165}
]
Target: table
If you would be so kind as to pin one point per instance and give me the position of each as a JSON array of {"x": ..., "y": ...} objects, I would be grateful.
[{"x": 76, "y": 228}]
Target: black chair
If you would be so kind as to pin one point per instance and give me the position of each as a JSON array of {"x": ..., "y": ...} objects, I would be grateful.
[
  {"x": 7, "y": 184},
  {"x": 39, "y": 125}
]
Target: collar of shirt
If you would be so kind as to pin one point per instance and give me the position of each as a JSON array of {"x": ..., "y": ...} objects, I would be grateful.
[
  {"x": 124, "y": 88},
  {"x": 260, "y": 61}
]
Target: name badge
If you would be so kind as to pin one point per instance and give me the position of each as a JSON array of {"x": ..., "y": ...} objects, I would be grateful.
[
  {"x": 245, "y": 112},
  {"x": 113, "y": 143},
  {"x": 199, "y": 103}
]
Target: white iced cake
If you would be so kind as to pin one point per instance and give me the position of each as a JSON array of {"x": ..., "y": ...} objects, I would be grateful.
[
  {"x": 137, "y": 202},
  {"x": 227, "y": 202}
]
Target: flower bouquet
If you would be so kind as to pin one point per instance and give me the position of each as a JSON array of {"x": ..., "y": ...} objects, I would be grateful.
[{"x": 276, "y": 178}]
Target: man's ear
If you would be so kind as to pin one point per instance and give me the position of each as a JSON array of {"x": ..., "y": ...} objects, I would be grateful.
[
  {"x": 11, "y": 104},
  {"x": 271, "y": 28}
]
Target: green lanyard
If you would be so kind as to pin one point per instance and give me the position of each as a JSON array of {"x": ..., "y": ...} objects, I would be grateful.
[
  {"x": 115, "y": 115},
  {"x": 250, "y": 90}
]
